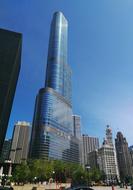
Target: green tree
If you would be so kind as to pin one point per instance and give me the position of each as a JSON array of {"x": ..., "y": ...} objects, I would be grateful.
[
  {"x": 59, "y": 170},
  {"x": 79, "y": 177},
  {"x": 48, "y": 167},
  {"x": 95, "y": 174},
  {"x": 21, "y": 173},
  {"x": 40, "y": 169}
]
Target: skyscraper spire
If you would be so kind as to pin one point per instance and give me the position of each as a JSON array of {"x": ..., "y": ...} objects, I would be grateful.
[{"x": 58, "y": 74}]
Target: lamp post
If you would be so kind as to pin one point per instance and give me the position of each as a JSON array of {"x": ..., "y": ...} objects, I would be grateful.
[
  {"x": 88, "y": 170},
  {"x": 54, "y": 177},
  {"x": 35, "y": 178},
  {"x": 56, "y": 183}
]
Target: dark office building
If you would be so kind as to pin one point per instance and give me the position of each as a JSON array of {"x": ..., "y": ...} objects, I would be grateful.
[
  {"x": 123, "y": 156},
  {"x": 92, "y": 159},
  {"x": 10, "y": 59},
  {"x": 5, "y": 150},
  {"x": 52, "y": 132},
  {"x": 131, "y": 153},
  {"x": 77, "y": 126}
]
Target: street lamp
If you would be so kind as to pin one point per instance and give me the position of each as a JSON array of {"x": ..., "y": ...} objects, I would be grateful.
[
  {"x": 54, "y": 174},
  {"x": 54, "y": 177},
  {"x": 88, "y": 170},
  {"x": 35, "y": 179}
]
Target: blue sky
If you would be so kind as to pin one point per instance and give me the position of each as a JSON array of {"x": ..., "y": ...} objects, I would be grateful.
[{"x": 100, "y": 52}]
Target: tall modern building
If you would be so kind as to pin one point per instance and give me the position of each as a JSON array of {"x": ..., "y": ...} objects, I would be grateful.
[
  {"x": 52, "y": 131},
  {"x": 10, "y": 59},
  {"x": 77, "y": 126},
  {"x": 123, "y": 156},
  {"x": 89, "y": 144},
  {"x": 77, "y": 133},
  {"x": 20, "y": 142}
]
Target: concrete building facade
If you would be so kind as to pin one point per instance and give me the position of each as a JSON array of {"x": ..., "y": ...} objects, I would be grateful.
[
  {"x": 20, "y": 142},
  {"x": 123, "y": 156},
  {"x": 107, "y": 158},
  {"x": 92, "y": 159},
  {"x": 131, "y": 154},
  {"x": 88, "y": 144}
]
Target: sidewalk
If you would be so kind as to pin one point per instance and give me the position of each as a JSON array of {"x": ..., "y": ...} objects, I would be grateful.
[
  {"x": 41, "y": 187},
  {"x": 53, "y": 186}
]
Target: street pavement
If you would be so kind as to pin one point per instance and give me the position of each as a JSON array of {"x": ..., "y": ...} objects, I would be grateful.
[{"x": 52, "y": 186}]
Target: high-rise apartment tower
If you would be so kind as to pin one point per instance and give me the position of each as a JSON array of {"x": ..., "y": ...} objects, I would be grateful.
[
  {"x": 89, "y": 144},
  {"x": 77, "y": 126},
  {"x": 20, "y": 142}
]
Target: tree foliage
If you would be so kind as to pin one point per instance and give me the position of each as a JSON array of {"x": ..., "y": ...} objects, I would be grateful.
[
  {"x": 95, "y": 174},
  {"x": 43, "y": 170},
  {"x": 21, "y": 173}
]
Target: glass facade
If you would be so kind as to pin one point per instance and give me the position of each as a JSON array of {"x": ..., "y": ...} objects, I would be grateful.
[
  {"x": 52, "y": 132},
  {"x": 58, "y": 74}
]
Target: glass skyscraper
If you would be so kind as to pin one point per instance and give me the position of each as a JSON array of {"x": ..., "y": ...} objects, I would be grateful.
[{"x": 52, "y": 132}]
